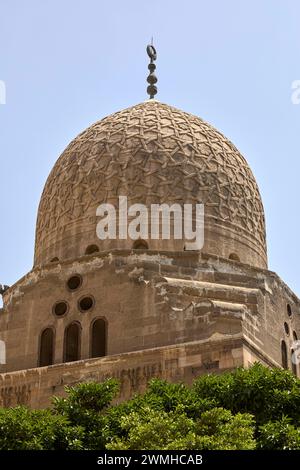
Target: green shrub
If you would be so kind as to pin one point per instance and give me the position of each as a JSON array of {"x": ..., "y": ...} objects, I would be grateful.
[
  {"x": 279, "y": 435},
  {"x": 266, "y": 393},
  {"x": 216, "y": 429},
  {"x": 24, "y": 429}
]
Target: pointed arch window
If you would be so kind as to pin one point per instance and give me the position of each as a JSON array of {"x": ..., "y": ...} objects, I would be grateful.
[
  {"x": 98, "y": 337},
  {"x": 284, "y": 357},
  {"x": 46, "y": 354},
  {"x": 72, "y": 342}
]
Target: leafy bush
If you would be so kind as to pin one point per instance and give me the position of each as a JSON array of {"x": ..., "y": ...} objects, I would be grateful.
[
  {"x": 84, "y": 407},
  {"x": 279, "y": 435},
  {"x": 23, "y": 429},
  {"x": 216, "y": 429},
  {"x": 266, "y": 393}
]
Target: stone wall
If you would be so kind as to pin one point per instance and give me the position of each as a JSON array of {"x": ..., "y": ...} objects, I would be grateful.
[
  {"x": 150, "y": 300},
  {"x": 35, "y": 387}
]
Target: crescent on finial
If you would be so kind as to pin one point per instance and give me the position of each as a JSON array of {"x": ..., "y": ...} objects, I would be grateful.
[{"x": 151, "y": 51}]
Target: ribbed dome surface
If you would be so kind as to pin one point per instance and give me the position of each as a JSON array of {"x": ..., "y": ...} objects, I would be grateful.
[{"x": 153, "y": 153}]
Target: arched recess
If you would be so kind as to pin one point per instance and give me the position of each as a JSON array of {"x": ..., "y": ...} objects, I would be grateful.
[
  {"x": 294, "y": 364},
  {"x": 98, "y": 346},
  {"x": 140, "y": 245},
  {"x": 234, "y": 257},
  {"x": 284, "y": 356},
  {"x": 46, "y": 352},
  {"x": 91, "y": 249},
  {"x": 2, "y": 353},
  {"x": 72, "y": 342}
]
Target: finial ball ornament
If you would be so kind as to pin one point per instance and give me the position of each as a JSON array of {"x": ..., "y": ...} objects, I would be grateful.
[{"x": 151, "y": 79}]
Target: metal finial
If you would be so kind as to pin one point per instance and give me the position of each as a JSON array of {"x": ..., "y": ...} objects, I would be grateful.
[{"x": 151, "y": 79}]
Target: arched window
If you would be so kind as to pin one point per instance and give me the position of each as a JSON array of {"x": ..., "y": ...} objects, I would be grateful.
[
  {"x": 98, "y": 338},
  {"x": 286, "y": 328},
  {"x": 294, "y": 365},
  {"x": 284, "y": 357},
  {"x": 46, "y": 355},
  {"x": 295, "y": 337},
  {"x": 234, "y": 257},
  {"x": 91, "y": 249},
  {"x": 72, "y": 342},
  {"x": 2, "y": 353},
  {"x": 140, "y": 245}
]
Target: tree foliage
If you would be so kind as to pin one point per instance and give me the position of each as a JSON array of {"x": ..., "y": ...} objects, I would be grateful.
[
  {"x": 23, "y": 429},
  {"x": 257, "y": 408},
  {"x": 216, "y": 429}
]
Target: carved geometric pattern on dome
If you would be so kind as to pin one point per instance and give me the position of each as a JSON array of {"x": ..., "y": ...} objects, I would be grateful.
[{"x": 151, "y": 150}]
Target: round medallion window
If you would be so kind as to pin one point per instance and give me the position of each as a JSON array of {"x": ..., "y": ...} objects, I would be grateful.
[
  {"x": 60, "y": 308},
  {"x": 86, "y": 303},
  {"x": 74, "y": 282}
]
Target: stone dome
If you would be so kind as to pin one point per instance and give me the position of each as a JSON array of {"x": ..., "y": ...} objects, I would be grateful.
[{"x": 152, "y": 153}]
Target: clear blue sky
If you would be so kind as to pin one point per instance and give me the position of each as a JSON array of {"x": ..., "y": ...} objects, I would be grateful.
[{"x": 68, "y": 63}]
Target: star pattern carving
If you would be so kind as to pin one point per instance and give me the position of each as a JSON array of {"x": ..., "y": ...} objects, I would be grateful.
[{"x": 150, "y": 152}]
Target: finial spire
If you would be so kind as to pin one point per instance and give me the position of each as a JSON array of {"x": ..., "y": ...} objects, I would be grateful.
[{"x": 151, "y": 79}]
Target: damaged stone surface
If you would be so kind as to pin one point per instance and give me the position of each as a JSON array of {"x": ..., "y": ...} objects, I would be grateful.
[{"x": 34, "y": 387}]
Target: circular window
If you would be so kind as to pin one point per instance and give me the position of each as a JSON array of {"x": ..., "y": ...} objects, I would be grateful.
[
  {"x": 60, "y": 308},
  {"x": 289, "y": 310},
  {"x": 85, "y": 304},
  {"x": 74, "y": 282},
  {"x": 295, "y": 337},
  {"x": 286, "y": 328}
]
